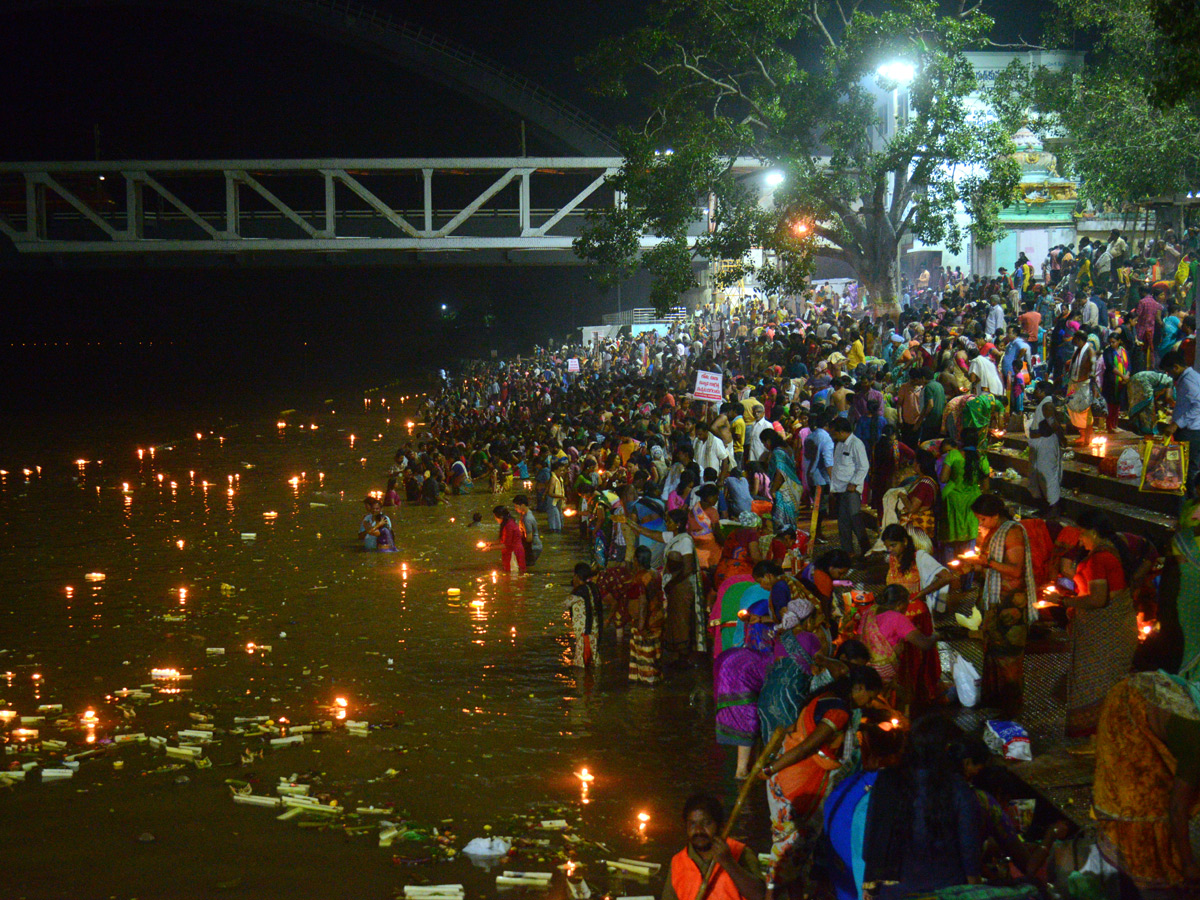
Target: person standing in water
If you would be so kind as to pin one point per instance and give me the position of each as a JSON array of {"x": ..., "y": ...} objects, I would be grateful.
[
  {"x": 529, "y": 529},
  {"x": 512, "y": 548}
]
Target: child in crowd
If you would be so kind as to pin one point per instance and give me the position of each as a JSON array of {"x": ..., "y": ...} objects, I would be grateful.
[{"x": 587, "y": 616}]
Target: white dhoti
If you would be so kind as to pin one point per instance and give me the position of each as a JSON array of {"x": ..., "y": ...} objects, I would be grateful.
[
  {"x": 1079, "y": 406},
  {"x": 1045, "y": 458},
  {"x": 1045, "y": 470}
]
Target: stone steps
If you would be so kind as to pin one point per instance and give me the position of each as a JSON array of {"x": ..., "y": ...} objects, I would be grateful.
[{"x": 1084, "y": 488}]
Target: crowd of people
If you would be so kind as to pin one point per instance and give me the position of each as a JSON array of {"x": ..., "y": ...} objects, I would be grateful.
[{"x": 702, "y": 523}]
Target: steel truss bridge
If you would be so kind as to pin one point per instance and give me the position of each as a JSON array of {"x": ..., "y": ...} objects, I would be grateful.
[
  {"x": 514, "y": 206},
  {"x": 513, "y": 210}
]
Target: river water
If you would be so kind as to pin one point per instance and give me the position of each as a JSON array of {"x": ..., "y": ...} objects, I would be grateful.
[{"x": 483, "y": 717}]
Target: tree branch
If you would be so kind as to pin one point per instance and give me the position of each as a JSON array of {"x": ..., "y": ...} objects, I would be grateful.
[
  {"x": 1021, "y": 44},
  {"x": 815, "y": 15}
]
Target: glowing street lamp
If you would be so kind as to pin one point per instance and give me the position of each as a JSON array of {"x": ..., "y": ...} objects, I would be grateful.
[{"x": 897, "y": 72}]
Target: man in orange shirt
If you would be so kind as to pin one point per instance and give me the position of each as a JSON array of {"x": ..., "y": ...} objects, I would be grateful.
[
  {"x": 1030, "y": 321},
  {"x": 738, "y": 874}
]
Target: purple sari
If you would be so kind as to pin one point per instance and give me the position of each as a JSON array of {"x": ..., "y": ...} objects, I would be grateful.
[{"x": 739, "y": 676}]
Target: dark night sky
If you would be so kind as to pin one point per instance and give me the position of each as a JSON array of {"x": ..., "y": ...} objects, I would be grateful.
[
  {"x": 208, "y": 80},
  {"x": 213, "y": 80}
]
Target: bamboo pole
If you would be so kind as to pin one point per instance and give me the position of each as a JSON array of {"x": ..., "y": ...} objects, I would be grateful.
[
  {"x": 816, "y": 514},
  {"x": 752, "y": 779}
]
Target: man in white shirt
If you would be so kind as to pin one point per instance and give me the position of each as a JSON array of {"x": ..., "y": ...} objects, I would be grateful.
[
  {"x": 711, "y": 452},
  {"x": 1090, "y": 314},
  {"x": 754, "y": 432},
  {"x": 986, "y": 374},
  {"x": 846, "y": 480},
  {"x": 995, "y": 320}
]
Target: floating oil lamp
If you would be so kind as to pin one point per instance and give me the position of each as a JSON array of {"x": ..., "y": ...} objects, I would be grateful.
[
  {"x": 481, "y": 544},
  {"x": 585, "y": 776},
  {"x": 477, "y": 604},
  {"x": 94, "y": 576}
]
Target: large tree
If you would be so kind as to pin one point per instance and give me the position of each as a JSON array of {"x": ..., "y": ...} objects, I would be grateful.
[{"x": 795, "y": 85}]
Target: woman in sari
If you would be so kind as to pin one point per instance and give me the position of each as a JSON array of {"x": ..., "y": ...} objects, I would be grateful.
[
  {"x": 964, "y": 477},
  {"x": 647, "y": 617},
  {"x": 1006, "y": 599},
  {"x": 789, "y": 674},
  {"x": 786, "y": 488},
  {"x": 703, "y": 520},
  {"x": 1113, "y": 380},
  {"x": 684, "y": 629},
  {"x": 1147, "y": 783},
  {"x": 915, "y": 569},
  {"x": 1104, "y": 629},
  {"x": 1145, "y": 388},
  {"x": 740, "y": 549},
  {"x": 799, "y": 777},
  {"x": 819, "y": 577},
  {"x": 923, "y": 830},
  {"x": 921, "y": 501},
  {"x": 726, "y": 618},
  {"x": 887, "y": 632},
  {"x": 889, "y": 459},
  {"x": 738, "y": 675}
]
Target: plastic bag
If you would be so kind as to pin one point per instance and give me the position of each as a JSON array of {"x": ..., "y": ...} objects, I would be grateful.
[
  {"x": 1129, "y": 464},
  {"x": 486, "y": 847},
  {"x": 1164, "y": 467},
  {"x": 1008, "y": 739},
  {"x": 966, "y": 683}
]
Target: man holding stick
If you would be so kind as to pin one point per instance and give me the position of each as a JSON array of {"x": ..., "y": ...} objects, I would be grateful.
[{"x": 737, "y": 874}]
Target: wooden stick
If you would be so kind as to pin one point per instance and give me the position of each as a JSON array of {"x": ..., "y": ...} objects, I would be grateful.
[
  {"x": 812, "y": 538},
  {"x": 768, "y": 751}
]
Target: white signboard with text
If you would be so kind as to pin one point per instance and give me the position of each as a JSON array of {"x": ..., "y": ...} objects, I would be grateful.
[{"x": 708, "y": 387}]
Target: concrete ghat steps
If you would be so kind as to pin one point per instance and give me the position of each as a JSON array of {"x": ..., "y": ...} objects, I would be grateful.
[
  {"x": 1078, "y": 496},
  {"x": 1083, "y": 478}
]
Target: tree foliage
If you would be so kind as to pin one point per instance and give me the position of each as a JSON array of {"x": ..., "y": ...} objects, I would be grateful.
[
  {"x": 793, "y": 83},
  {"x": 1130, "y": 125}
]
